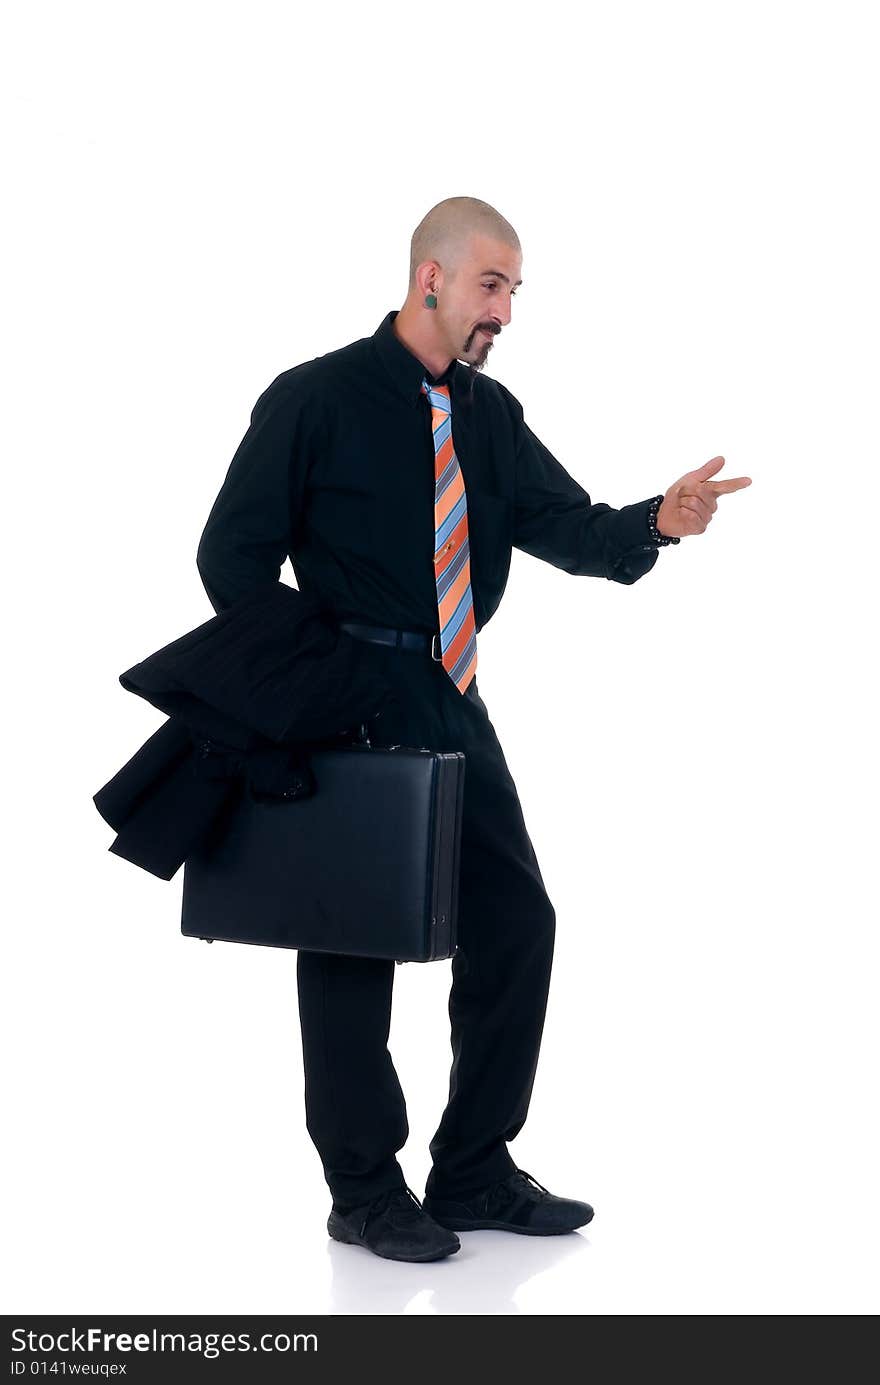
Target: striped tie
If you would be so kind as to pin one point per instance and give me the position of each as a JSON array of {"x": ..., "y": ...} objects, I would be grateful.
[{"x": 452, "y": 563}]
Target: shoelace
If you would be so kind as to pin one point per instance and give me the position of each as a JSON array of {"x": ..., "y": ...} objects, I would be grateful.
[
  {"x": 506, "y": 1190},
  {"x": 408, "y": 1202}
]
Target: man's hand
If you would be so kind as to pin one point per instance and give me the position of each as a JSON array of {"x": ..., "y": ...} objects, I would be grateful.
[{"x": 690, "y": 503}]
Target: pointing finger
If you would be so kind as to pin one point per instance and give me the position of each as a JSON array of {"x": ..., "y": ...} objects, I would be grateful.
[
  {"x": 735, "y": 483},
  {"x": 708, "y": 469}
]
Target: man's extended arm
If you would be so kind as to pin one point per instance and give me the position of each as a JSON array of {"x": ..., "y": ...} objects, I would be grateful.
[{"x": 555, "y": 519}]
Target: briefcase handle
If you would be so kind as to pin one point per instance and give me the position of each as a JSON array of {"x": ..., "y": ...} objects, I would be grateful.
[
  {"x": 357, "y": 736},
  {"x": 363, "y": 738}
]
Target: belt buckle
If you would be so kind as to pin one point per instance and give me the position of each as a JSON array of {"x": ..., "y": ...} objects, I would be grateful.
[{"x": 438, "y": 658}]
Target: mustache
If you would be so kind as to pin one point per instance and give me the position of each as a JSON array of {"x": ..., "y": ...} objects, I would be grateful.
[{"x": 488, "y": 327}]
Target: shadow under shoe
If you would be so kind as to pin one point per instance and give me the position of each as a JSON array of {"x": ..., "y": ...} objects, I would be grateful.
[
  {"x": 395, "y": 1226},
  {"x": 515, "y": 1203}
]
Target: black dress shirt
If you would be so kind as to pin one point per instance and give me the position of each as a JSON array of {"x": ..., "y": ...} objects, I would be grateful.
[{"x": 336, "y": 470}]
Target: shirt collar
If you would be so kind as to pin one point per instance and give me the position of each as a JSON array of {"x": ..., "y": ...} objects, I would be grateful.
[{"x": 405, "y": 369}]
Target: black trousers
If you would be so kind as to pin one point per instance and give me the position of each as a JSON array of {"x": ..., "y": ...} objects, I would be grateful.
[{"x": 355, "y": 1108}]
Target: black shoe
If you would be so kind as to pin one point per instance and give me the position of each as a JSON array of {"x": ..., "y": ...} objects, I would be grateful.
[
  {"x": 516, "y": 1203},
  {"x": 395, "y": 1226}
]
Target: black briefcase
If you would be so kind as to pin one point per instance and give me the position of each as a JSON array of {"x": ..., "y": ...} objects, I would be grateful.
[{"x": 367, "y": 864}]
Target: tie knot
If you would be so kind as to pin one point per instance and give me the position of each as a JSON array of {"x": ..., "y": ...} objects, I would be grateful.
[{"x": 438, "y": 395}]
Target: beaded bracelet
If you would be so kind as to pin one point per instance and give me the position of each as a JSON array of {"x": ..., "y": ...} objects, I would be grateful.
[{"x": 656, "y": 536}]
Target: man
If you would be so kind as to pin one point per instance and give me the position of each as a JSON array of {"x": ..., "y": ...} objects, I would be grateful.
[{"x": 397, "y": 478}]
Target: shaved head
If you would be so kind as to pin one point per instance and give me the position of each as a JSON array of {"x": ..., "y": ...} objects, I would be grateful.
[
  {"x": 447, "y": 230},
  {"x": 465, "y": 266}
]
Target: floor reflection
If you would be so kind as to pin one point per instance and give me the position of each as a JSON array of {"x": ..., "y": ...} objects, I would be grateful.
[{"x": 483, "y": 1277}]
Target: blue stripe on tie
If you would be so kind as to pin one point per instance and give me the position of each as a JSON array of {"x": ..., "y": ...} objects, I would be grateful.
[
  {"x": 450, "y": 573},
  {"x": 439, "y": 401},
  {"x": 442, "y": 432},
  {"x": 449, "y": 523},
  {"x": 464, "y": 658},
  {"x": 453, "y": 624}
]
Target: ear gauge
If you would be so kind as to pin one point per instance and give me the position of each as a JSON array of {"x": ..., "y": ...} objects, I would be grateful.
[{"x": 430, "y": 300}]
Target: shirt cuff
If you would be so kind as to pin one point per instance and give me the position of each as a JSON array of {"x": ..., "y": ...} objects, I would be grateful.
[{"x": 633, "y": 527}]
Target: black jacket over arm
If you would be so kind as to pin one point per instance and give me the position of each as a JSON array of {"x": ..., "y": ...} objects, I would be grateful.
[{"x": 247, "y": 694}]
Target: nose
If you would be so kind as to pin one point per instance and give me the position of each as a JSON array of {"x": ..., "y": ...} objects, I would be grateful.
[{"x": 504, "y": 309}]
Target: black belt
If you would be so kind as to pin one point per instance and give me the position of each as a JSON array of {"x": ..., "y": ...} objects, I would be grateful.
[{"x": 414, "y": 640}]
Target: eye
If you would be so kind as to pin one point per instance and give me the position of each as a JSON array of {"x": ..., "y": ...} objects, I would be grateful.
[{"x": 494, "y": 285}]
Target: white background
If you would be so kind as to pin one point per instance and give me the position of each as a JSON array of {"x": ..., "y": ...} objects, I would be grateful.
[{"x": 200, "y": 196}]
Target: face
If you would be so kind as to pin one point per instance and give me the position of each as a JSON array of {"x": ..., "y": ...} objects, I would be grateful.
[{"x": 475, "y": 303}]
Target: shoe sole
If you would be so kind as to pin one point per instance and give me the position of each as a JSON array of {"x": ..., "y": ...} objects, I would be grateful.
[
  {"x": 340, "y": 1232},
  {"x": 453, "y": 1224}
]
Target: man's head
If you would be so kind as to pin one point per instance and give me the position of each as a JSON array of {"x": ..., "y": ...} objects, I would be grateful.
[{"x": 468, "y": 258}]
